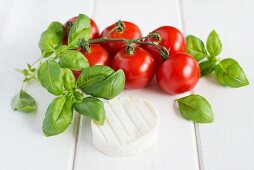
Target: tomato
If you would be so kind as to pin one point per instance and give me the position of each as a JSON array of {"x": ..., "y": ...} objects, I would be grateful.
[
  {"x": 94, "y": 32},
  {"x": 171, "y": 38},
  {"x": 139, "y": 67},
  {"x": 178, "y": 74},
  {"x": 96, "y": 56},
  {"x": 130, "y": 31}
]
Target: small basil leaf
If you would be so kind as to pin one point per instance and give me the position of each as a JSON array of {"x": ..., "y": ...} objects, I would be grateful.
[
  {"x": 50, "y": 76},
  {"x": 68, "y": 79},
  {"x": 101, "y": 81},
  {"x": 79, "y": 30},
  {"x": 60, "y": 50},
  {"x": 73, "y": 60},
  {"x": 207, "y": 67},
  {"x": 196, "y": 47},
  {"x": 213, "y": 44},
  {"x": 49, "y": 41},
  {"x": 229, "y": 73},
  {"x": 58, "y": 28},
  {"x": 24, "y": 102},
  {"x": 196, "y": 108},
  {"x": 92, "y": 108},
  {"x": 58, "y": 116},
  {"x": 78, "y": 96}
]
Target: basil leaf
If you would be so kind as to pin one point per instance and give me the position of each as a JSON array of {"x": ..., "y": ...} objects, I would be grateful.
[
  {"x": 60, "y": 50},
  {"x": 213, "y": 44},
  {"x": 49, "y": 41},
  {"x": 101, "y": 81},
  {"x": 92, "y": 108},
  {"x": 58, "y": 28},
  {"x": 73, "y": 60},
  {"x": 68, "y": 79},
  {"x": 207, "y": 67},
  {"x": 58, "y": 116},
  {"x": 196, "y": 108},
  {"x": 50, "y": 76},
  {"x": 23, "y": 102},
  {"x": 78, "y": 96},
  {"x": 79, "y": 30},
  {"x": 196, "y": 47},
  {"x": 229, "y": 73}
]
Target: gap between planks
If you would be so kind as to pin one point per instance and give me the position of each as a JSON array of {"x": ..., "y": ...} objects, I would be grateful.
[{"x": 195, "y": 125}]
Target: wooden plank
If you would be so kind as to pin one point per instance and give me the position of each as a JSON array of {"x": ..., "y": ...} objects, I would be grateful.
[
  {"x": 176, "y": 139},
  {"x": 23, "y": 145},
  {"x": 228, "y": 142}
]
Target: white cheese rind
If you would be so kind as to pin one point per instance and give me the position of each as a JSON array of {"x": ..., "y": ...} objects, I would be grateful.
[{"x": 131, "y": 125}]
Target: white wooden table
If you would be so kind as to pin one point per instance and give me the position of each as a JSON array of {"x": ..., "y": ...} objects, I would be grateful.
[{"x": 226, "y": 144}]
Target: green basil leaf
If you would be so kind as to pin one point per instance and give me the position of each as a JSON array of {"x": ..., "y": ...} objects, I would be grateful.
[
  {"x": 101, "y": 81},
  {"x": 196, "y": 47},
  {"x": 78, "y": 96},
  {"x": 58, "y": 28},
  {"x": 79, "y": 30},
  {"x": 196, "y": 108},
  {"x": 24, "y": 102},
  {"x": 92, "y": 108},
  {"x": 49, "y": 41},
  {"x": 58, "y": 116},
  {"x": 68, "y": 79},
  {"x": 50, "y": 76},
  {"x": 207, "y": 67},
  {"x": 229, "y": 73},
  {"x": 73, "y": 60},
  {"x": 213, "y": 44}
]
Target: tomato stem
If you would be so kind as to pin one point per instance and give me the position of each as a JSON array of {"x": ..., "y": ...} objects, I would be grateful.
[{"x": 141, "y": 41}]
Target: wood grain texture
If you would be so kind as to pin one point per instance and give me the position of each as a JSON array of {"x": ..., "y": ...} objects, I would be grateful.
[
  {"x": 22, "y": 143},
  {"x": 176, "y": 147},
  {"x": 227, "y": 144}
]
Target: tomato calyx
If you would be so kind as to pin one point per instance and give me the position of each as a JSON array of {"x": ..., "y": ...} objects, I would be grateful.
[
  {"x": 130, "y": 49},
  {"x": 120, "y": 26},
  {"x": 69, "y": 25},
  {"x": 156, "y": 36},
  {"x": 164, "y": 52}
]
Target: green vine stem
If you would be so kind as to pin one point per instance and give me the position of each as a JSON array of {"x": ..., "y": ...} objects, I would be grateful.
[{"x": 141, "y": 41}]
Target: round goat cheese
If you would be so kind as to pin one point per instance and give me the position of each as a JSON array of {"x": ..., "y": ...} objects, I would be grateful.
[{"x": 131, "y": 125}]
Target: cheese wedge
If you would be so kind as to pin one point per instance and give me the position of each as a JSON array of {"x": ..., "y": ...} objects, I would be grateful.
[{"x": 131, "y": 125}]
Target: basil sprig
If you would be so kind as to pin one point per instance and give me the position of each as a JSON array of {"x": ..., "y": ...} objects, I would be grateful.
[
  {"x": 54, "y": 73},
  {"x": 196, "y": 108},
  {"x": 228, "y": 72}
]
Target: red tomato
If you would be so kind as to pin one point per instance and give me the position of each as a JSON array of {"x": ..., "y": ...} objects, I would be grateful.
[
  {"x": 130, "y": 31},
  {"x": 94, "y": 32},
  {"x": 97, "y": 56},
  {"x": 139, "y": 67},
  {"x": 171, "y": 38},
  {"x": 178, "y": 74}
]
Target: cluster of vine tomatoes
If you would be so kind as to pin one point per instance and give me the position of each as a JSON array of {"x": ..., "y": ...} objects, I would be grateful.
[{"x": 177, "y": 74}]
